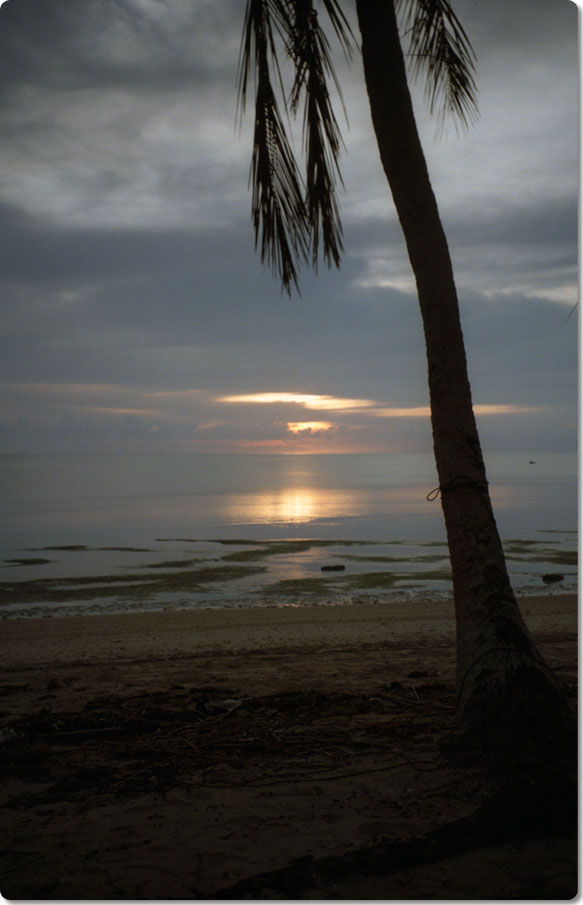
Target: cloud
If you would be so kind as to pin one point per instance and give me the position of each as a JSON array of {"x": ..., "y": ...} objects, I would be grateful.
[
  {"x": 131, "y": 294},
  {"x": 300, "y": 427},
  {"x": 309, "y": 401},
  {"x": 102, "y": 106},
  {"x": 363, "y": 407},
  {"x": 116, "y": 411}
]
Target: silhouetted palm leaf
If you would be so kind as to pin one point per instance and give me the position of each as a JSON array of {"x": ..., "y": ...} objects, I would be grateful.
[
  {"x": 295, "y": 218},
  {"x": 441, "y": 50},
  {"x": 310, "y": 52},
  {"x": 278, "y": 206}
]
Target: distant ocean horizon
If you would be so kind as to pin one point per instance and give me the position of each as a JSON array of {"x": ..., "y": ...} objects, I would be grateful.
[{"x": 112, "y": 533}]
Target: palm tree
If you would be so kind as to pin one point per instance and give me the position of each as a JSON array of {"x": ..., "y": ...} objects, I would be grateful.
[{"x": 503, "y": 684}]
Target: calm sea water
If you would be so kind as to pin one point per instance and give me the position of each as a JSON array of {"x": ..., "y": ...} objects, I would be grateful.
[{"x": 114, "y": 533}]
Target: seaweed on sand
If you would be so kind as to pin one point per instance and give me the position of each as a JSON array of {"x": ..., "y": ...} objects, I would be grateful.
[
  {"x": 223, "y": 748},
  {"x": 91, "y": 587},
  {"x": 28, "y": 561},
  {"x": 532, "y": 551},
  {"x": 361, "y": 581},
  {"x": 261, "y": 549}
]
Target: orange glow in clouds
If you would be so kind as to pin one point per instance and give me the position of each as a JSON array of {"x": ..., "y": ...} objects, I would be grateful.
[
  {"x": 297, "y": 427},
  {"x": 364, "y": 406},
  {"x": 309, "y": 400}
]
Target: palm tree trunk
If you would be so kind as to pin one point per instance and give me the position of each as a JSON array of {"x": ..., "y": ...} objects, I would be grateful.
[{"x": 502, "y": 681}]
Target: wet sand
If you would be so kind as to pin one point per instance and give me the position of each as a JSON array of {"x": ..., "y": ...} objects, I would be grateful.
[{"x": 168, "y": 634}]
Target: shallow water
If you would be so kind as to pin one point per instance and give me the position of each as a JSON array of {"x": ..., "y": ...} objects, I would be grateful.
[
  {"x": 182, "y": 574},
  {"x": 111, "y": 534}
]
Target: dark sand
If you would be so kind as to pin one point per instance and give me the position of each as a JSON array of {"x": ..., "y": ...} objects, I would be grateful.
[{"x": 174, "y": 755}]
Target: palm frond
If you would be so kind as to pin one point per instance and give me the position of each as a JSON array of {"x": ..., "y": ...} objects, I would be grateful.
[
  {"x": 278, "y": 207},
  {"x": 293, "y": 219},
  {"x": 310, "y": 52},
  {"x": 341, "y": 26},
  {"x": 440, "y": 49}
]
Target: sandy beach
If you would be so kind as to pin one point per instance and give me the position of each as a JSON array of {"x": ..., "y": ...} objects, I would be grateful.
[{"x": 176, "y": 755}]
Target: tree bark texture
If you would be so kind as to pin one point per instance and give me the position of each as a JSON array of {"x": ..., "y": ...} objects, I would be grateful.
[{"x": 501, "y": 676}]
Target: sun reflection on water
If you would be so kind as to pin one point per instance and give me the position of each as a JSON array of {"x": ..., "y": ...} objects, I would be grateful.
[
  {"x": 291, "y": 505},
  {"x": 299, "y": 505}
]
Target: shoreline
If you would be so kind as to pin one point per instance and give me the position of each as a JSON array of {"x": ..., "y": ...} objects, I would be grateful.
[{"x": 163, "y": 635}]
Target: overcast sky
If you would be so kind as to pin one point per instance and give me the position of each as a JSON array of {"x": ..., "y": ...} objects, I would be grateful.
[{"x": 136, "y": 315}]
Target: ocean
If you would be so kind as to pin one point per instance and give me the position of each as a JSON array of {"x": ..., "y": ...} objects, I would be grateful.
[{"x": 94, "y": 534}]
